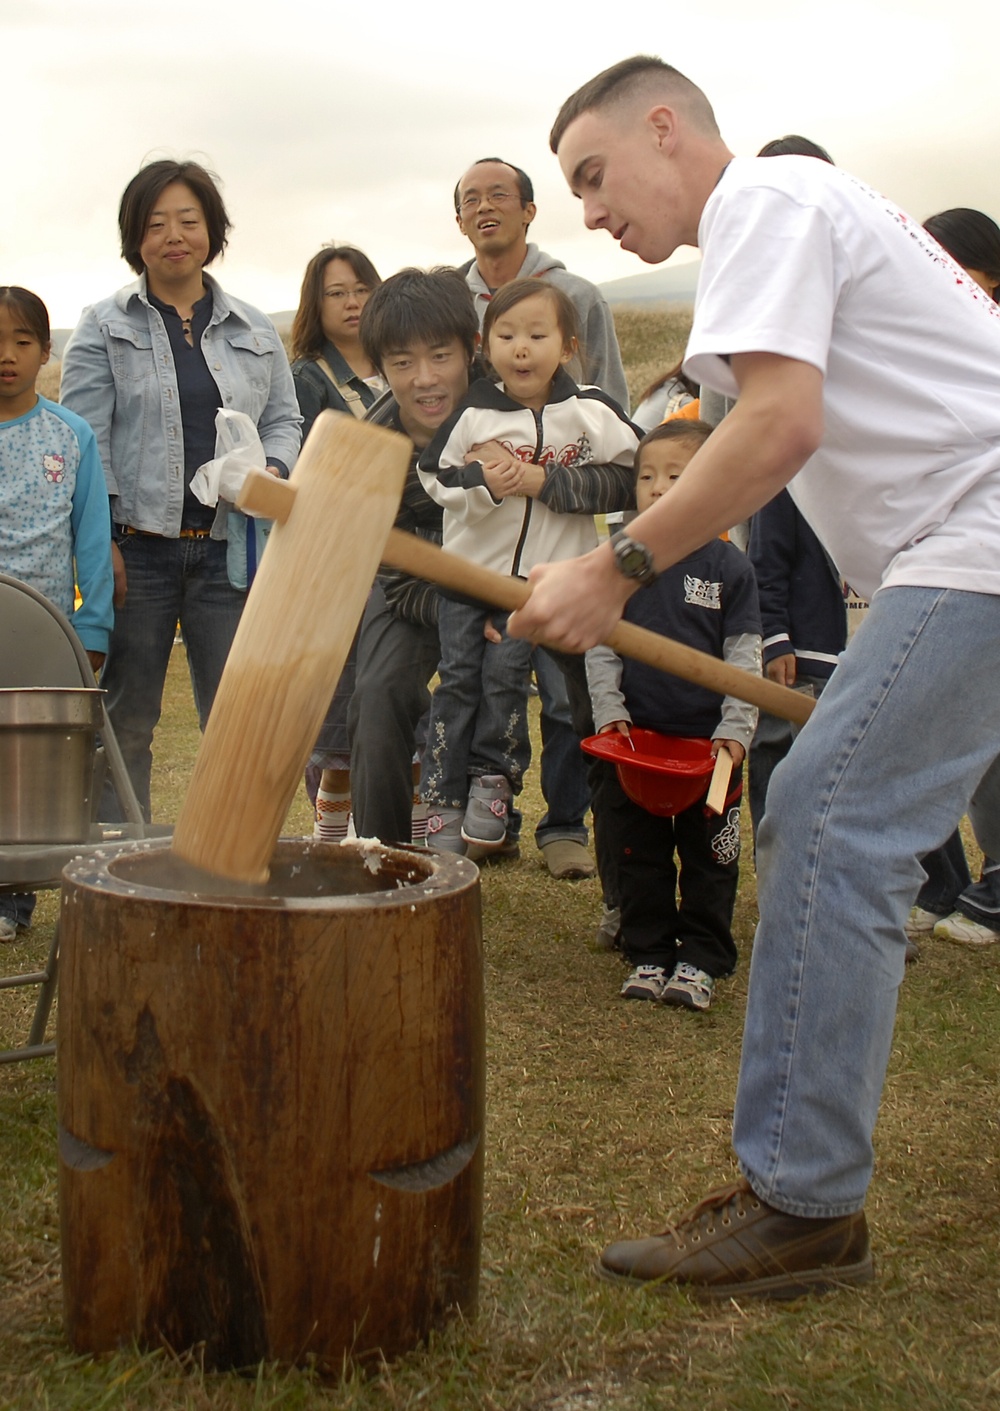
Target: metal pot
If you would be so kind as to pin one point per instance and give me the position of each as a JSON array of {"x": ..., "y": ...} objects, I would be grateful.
[{"x": 47, "y": 740}]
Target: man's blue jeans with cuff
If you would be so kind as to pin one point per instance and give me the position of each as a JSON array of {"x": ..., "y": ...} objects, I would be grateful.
[{"x": 905, "y": 733}]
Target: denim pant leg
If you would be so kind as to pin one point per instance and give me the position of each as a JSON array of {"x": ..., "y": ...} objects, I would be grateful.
[
  {"x": 947, "y": 876},
  {"x": 396, "y": 660},
  {"x": 210, "y": 614},
  {"x": 771, "y": 742},
  {"x": 981, "y": 901},
  {"x": 18, "y": 907},
  {"x": 139, "y": 653},
  {"x": 500, "y": 740},
  {"x": 444, "y": 779},
  {"x": 563, "y": 764},
  {"x": 878, "y": 777},
  {"x": 984, "y": 811}
]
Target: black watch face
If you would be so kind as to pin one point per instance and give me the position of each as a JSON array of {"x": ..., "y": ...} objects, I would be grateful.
[{"x": 633, "y": 560}]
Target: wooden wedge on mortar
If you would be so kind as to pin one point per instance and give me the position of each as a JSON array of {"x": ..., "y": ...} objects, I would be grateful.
[{"x": 300, "y": 619}]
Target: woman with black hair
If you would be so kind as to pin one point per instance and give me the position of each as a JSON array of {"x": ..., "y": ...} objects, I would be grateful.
[
  {"x": 330, "y": 367},
  {"x": 148, "y": 368},
  {"x": 972, "y": 239},
  {"x": 333, "y": 372}
]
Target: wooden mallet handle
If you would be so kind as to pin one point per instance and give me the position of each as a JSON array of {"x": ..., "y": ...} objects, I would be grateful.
[{"x": 425, "y": 560}]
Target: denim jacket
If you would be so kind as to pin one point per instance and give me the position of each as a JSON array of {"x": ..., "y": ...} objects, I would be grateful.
[{"x": 118, "y": 374}]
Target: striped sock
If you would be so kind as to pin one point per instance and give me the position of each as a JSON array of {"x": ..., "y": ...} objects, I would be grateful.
[
  {"x": 418, "y": 818},
  {"x": 418, "y": 823},
  {"x": 333, "y": 816}
]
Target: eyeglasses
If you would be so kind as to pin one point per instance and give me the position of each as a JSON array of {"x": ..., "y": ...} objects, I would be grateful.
[
  {"x": 495, "y": 198},
  {"x": 361, "y": 292}
]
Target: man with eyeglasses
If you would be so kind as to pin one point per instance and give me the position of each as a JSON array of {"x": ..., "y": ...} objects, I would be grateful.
[{"x": 494, "y": 207}]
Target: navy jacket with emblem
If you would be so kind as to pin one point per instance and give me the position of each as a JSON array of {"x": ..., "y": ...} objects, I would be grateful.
[{"x": 702, "y": 601}]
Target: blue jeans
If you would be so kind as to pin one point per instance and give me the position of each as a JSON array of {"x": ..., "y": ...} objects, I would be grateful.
[
  {"x": 949, "y": 887},
  {"x": 563, "y": 764},
  {"x": 169, "y": 581},
  {"x": 981, "y": 901},
  {"x": 479, "y": 712},
  {"x": 879, "y": 776},
  {"x": 17, "y": 907}
]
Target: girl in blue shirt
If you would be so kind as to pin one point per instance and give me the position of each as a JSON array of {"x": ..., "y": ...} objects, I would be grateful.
[{"x": 55, "y": 524}]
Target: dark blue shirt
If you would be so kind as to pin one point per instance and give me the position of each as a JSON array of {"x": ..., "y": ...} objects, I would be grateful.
[
  {"x": 199, "y": 399},
  {"x": 707, "y": 597}
]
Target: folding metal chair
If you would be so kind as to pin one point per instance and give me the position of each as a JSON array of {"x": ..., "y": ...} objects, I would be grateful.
[{"x": 38, "y": 647}]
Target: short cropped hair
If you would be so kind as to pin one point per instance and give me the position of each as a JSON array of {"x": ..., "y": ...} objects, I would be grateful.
[
  {"x": 792, "y": 145},
  {"x": 28, "y": 309},
  {"x": 142, "y": 193},
  {"x": 971, "y": 238},
  {"x": 617, "y": 85},
  {"x": 508, "y": 296},
  {"x": 679, "y": 429},
  {"x": 525, "y": 190},
  {"x": 307, "y": 328},
  {"x": 418, "y": 306}
]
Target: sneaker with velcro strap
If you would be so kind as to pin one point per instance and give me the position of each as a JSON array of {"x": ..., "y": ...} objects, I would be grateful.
[
  {"x": 688, "y": 988},
  {"x": 645, "y": 982}
]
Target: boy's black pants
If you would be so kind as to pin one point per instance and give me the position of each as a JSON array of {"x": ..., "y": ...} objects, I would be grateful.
[{"x": 676, "y": 909}]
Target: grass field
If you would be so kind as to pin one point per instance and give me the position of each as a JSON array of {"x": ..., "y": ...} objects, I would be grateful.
[{"x": 603, "y": 1117}]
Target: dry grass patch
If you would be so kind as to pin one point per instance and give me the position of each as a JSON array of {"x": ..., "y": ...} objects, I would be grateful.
[{"x": 652, "y": 341}]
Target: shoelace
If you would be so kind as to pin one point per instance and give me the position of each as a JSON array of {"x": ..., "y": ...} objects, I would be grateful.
[{"x": 700, "y": 1219}]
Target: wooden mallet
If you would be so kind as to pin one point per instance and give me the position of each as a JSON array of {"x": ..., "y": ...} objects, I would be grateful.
[{"x": 332, "y": 528}]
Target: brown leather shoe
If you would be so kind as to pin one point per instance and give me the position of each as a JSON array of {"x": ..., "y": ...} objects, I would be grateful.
[{"x": 734, "y": 1245}]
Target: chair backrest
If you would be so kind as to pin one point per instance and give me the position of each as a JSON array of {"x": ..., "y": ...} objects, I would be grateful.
[{"x": 38, "y": 647}]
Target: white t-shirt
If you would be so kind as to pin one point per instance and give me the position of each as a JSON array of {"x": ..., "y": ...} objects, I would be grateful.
[{"x": 801, "y": 259}]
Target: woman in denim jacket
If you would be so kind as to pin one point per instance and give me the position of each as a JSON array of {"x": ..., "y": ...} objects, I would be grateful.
[{"x": 148, "y": 368}]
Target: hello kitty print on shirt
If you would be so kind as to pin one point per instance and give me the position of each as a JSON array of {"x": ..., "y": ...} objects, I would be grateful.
[{"x": 54, "y": 465}]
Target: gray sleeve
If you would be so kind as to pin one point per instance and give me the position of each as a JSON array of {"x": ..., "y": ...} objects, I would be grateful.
[
  {"x": 714, "y": 406},
  {"x": 739, "y": 718},
  {"x": 588, "y": 489},
  {"x": 602, "y": 355},
  {"x": 604, "y": 677}
]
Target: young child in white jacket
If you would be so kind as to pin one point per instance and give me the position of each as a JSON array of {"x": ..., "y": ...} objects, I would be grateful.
[{"x": 520, "y": 471}]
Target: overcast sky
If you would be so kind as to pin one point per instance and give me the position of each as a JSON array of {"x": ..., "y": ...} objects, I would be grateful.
[{"x": 352, "y": 123}]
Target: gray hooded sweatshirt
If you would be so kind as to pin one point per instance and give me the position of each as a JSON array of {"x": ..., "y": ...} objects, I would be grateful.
[{"x": 602, "y": 361}]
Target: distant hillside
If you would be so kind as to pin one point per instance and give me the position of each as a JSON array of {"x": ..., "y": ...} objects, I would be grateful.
[{"x": 675, "y": 284}]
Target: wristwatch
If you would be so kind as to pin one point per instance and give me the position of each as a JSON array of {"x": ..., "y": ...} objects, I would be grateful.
[{"x": 632, "y": 559}]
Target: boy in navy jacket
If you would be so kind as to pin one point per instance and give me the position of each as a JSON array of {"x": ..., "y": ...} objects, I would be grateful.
[{"x": 679, "y": 948}]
